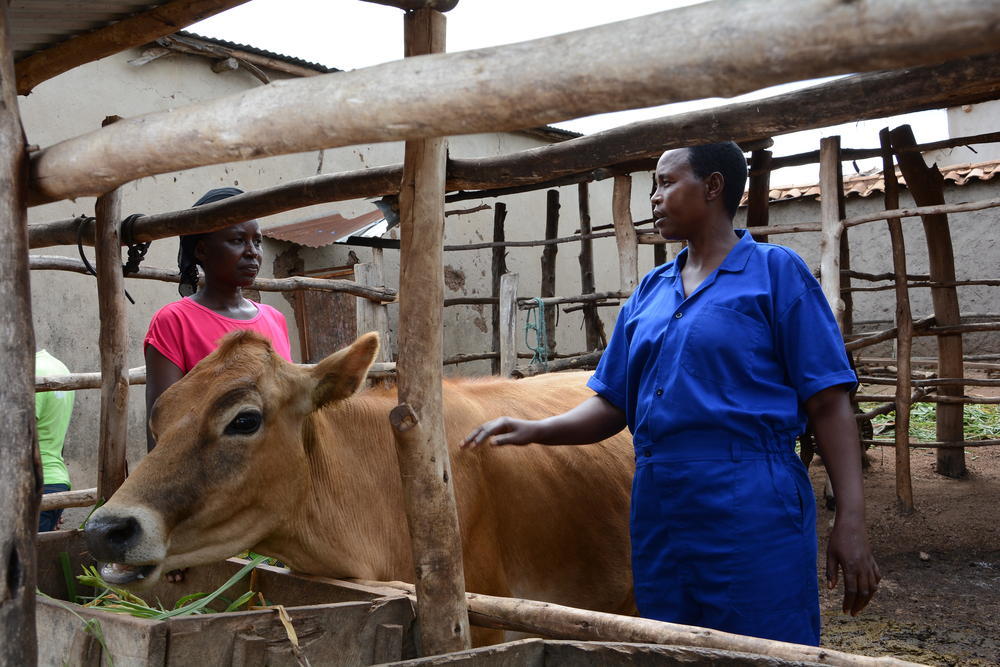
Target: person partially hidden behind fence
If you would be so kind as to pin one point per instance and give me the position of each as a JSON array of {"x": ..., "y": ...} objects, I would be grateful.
[
  {"x": 53, "y": 410},
  {"x": 184, "y": 332},
  {"x": 715, "y": 363}
]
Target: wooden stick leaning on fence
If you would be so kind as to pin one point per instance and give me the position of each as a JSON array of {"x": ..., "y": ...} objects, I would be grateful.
[
  {"x": 926, "y": 187},
  {"x": 559, "y": 622},
  {"x": 655, "y": 58}
]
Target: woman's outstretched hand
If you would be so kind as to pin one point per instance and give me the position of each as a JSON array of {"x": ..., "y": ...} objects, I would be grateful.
[{"x": 502, "y": 431}]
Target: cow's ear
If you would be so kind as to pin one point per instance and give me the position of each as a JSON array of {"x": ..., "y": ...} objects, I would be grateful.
[{"x": 343, "y": 372}]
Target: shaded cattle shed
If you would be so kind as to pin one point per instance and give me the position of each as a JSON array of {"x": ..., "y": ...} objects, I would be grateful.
[{"x": 916, "y": 57}]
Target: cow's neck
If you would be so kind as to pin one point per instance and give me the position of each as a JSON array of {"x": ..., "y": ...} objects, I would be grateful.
[{"x": 352, "y": 522}]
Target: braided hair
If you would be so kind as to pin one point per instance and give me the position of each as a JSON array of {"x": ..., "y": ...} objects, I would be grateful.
[{"x": 187, "y": 263}]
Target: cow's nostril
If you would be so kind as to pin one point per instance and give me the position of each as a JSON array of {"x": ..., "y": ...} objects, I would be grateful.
[{"x": 109, "y": 537}]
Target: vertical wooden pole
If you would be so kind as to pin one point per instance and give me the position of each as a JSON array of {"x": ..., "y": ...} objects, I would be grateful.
[
  {"x": 591, "y": 321},
  {"x": 926, "y": 185},
  {"x": 418, "y": 421},
  {"x": 498, "y": 267},
  {"x": 833, "y": 225},
  {"x": 113, "y": 344},
  {"x": 904, "y": 332},
  {"x": 508, "y": 324},
  {"x": 549, "y": 266},
  {"x": 628, "y": 249},
  {"x": 845, "y": 255},
  {"x": 759, "y": 191},
  {"x": 20, "y": 470}
]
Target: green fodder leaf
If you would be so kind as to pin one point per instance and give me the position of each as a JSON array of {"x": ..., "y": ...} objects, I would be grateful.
[
  {"x": 194, "y": 607},
  {"x": 240, "y": 601},
  {"x": 67, "y": 572}
]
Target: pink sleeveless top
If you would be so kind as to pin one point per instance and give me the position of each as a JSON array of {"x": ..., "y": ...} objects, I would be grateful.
[{"x": 186, "y": 332}]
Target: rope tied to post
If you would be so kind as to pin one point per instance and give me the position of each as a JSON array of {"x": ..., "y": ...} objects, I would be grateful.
[
  {"x": 136, "y": 251},
  {"x": 535, "y": 321}
]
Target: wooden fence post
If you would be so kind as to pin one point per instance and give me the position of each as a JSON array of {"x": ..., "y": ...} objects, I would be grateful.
[
  {"x": 113, "y": 344},
  {"x": 372, "y": 316},
  {"x": 508, "y": 324},
  {"x": 833, "y": 226},
  {"x": 926, "y": 186},
  {"x": 759, "y": 191},
  {"x": 549, "y": 266},
  {"x": 904, "y": 329},
  {"x": 498, "y": 267},
  {"x": 20, "y": 470},
  {"x": 592, "y": 324},
  {"x": 628, "y": 249},
  {"x": 418, "y": 421}
]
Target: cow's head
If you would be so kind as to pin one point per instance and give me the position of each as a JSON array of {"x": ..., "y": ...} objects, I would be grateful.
[{"x": 230, "y": 459}]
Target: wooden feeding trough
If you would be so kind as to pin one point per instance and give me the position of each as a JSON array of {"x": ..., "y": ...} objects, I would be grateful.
[{"x": 334, "y": 623}]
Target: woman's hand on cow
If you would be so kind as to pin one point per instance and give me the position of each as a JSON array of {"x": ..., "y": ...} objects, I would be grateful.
[
  {"x": 502, "y": 431},
  {"x": 849, "y": 551}
]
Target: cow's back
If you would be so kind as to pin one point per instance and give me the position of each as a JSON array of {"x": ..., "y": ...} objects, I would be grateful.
[{"x": 542, "y": 522}]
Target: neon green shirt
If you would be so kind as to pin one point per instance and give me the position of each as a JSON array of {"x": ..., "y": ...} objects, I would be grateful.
[{"x": 52, "y": 412}]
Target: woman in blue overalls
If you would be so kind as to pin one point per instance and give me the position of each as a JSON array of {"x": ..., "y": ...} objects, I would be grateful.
[{"x": 715, "y": 363}]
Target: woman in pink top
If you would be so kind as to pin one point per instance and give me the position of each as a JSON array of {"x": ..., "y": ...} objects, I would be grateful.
[{"x": 184, "y": 332}]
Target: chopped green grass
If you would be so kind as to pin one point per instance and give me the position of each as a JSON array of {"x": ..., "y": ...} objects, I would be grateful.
[{"x": 982, "y": 422}]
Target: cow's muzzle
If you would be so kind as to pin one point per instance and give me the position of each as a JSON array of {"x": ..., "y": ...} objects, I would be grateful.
[{"x": 128, "y": 550}]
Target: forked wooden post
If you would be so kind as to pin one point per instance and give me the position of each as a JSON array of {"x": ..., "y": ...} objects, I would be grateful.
[
  {"x": 926, "y": 186},
  {"x": 20, "y": 472},
  {"x": 628, "y": 250},
  {"x": 833, "y": 226},
  {"x": 508, "y": 324},
  {"x": 113, "y": 344},
  {"x": 418, "y": 422},
  {"x": 904, "y": 329}
]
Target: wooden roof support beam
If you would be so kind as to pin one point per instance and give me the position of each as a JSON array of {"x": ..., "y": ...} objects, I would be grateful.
[
  {"x": 132, "y": 31},
  {"x": 409, "y": 5},
  {"x": 655, "y": 59}
]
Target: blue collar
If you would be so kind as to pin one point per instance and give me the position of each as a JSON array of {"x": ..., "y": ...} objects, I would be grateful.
[{"x": 734, "y": 262}]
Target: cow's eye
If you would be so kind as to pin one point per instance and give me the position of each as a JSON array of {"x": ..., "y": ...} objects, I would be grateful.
[{"x": 244, "y": 423}]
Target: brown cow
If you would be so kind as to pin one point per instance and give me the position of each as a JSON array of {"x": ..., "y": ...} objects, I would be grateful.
[{"x": 256, "y": 453}]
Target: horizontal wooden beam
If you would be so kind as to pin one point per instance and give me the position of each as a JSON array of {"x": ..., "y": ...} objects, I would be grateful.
[
  {"x": 560, "y": 622},
  {"x": 857, "y": 97},
  {"x": 646, "y": 61},
  {"x": 410, "y": 5},
  {"x": 64, "y": 499},
  {"x": 132, "y": 31},
  {"x": 290, "y": 284}
]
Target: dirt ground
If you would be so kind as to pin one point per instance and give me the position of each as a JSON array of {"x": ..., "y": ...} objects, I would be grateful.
[{"x": 939, "y": 600}]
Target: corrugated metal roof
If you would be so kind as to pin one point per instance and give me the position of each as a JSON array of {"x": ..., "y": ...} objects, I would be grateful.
[
  {"x": 322, "y": 231},
  {"x": 36, "y": 25},
  {"x": 261, "y": 52},
  {"x": 869, "y": 184}
]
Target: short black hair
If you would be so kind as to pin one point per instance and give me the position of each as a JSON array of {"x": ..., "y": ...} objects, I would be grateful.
[{"x": 726, "y": 158}]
